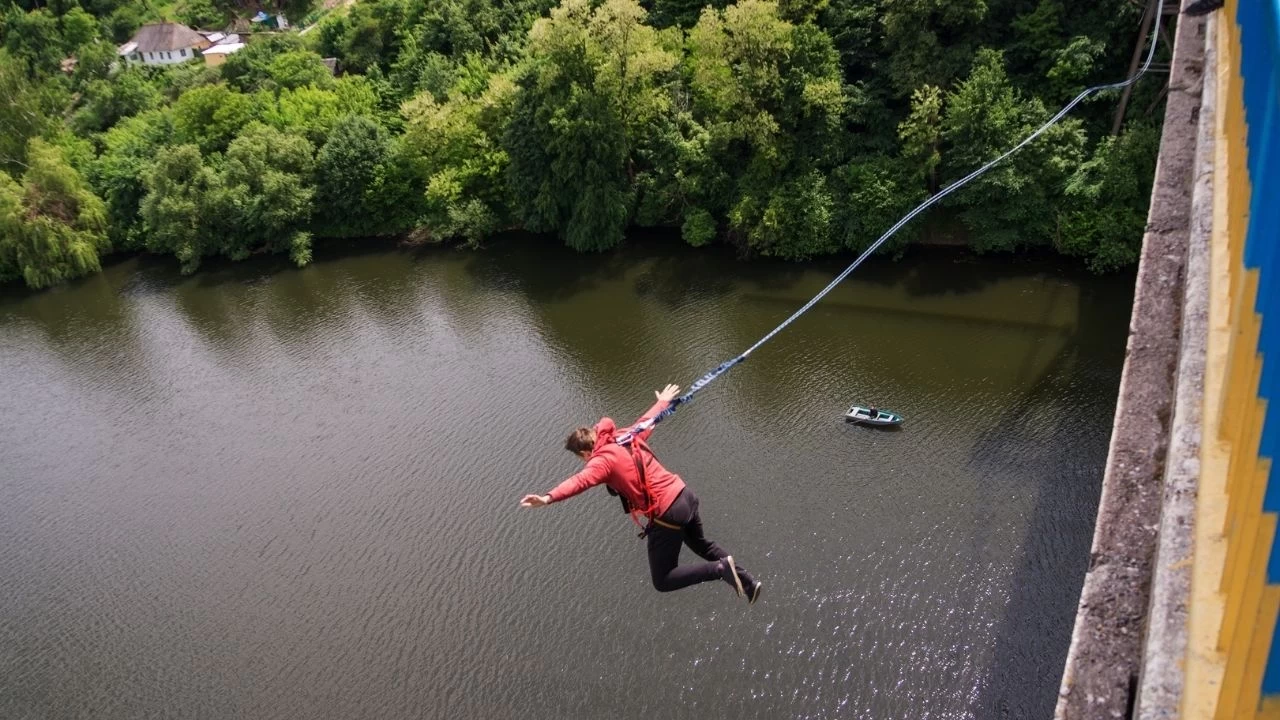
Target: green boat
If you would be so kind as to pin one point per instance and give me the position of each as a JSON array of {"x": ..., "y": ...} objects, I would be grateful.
[{"x": 872, "y": 416}]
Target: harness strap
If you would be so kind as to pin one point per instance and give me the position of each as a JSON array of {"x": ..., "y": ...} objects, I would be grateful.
[
  {"x": 648, "y": 497},
  {"x": 665, "y": 524}
]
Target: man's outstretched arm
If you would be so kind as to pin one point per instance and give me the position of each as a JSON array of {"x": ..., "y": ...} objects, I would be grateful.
[
  {"x": 665, "y": 396},
  {"x": 596, "y": 472}
]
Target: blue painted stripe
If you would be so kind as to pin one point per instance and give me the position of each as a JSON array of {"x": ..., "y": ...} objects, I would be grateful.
[
  {"x": 1271, "y": 674},
  {"x": 1259, "y": 23}
]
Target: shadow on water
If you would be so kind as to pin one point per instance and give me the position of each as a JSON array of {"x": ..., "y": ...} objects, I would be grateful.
[
  {"x": 537, "y": 268},
  {"x": 665, "y": 268},
  {"x": 875, "y": 428},
  {"x": 88, "y": 324},
  {"x": 1032, "y": 640},
  {"x": 228, "y": 301}
]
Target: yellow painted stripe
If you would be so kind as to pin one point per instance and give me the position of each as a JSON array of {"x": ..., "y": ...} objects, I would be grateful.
[
  {"x": 1205, "y": 664},
  {"x": 1242, "y": 356},
  {"x": 1244, "y": 507},
  {"x": 1240, "y": 689},
  {"x": 1264, "y": 625}
]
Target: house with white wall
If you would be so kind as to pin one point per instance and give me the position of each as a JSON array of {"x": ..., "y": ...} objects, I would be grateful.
[{"x": 163, "y": 44}]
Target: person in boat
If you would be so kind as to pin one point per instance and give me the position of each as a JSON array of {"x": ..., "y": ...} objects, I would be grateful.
[
  {"x": 650, "y": 490},
  {"x": 874, "y": 412}
]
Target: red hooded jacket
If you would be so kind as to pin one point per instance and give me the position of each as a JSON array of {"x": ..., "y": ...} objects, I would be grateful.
[{"x": 612, "y": 465}]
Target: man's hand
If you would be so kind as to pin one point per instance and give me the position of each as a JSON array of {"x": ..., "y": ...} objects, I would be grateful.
[
  {"x": 668, "y": 393},
  {"x": 532, "y": 501}
]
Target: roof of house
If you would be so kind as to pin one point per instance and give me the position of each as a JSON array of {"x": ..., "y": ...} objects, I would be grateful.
[
  {"x": 160, "y": 37},
  {"x": 224, "y": 49}
]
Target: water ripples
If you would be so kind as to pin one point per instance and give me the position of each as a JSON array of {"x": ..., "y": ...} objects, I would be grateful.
[{"x": 294, "y": 495}]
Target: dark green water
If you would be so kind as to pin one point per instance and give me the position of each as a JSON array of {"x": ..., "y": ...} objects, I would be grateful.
[{"x": 271, "y": 493}]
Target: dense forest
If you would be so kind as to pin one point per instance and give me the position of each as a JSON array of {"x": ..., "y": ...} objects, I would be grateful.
[{"x": 788, "y": 128}]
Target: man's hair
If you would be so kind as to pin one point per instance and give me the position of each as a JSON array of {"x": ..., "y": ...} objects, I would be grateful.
[{"x": 581, "y": 439}]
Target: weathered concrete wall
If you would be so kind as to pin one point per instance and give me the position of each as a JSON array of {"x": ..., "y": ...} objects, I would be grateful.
[
  {"x": 1101, "y": 675},
  {"x": 1164, "y": 652}
]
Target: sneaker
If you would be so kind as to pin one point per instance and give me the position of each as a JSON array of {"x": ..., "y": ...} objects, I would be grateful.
[
  {"x": 730, "y": 574},
  {"x": 750, "y": 587}
]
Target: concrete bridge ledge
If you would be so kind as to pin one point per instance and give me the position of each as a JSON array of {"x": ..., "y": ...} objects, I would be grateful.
[
  {"x": 1163, "y": 674},
  {"x": 1101, "y": 678}
]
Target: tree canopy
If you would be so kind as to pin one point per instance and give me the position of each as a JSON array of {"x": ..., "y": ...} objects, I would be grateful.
[{"x": 788, "y": 128}]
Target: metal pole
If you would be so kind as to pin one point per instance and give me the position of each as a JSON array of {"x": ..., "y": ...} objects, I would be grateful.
[{"x": 1151, "y": 12}]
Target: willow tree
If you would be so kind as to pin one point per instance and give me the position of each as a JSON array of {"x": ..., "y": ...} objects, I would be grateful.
[
  {"x": 52, "y": 226},
  {"x": 27, "y": 108},
  {"x": 173, "y": 211}
]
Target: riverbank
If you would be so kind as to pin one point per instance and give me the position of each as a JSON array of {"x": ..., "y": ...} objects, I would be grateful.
[{"x": 642, "y": 241}]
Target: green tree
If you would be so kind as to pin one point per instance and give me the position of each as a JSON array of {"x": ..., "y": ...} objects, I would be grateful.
[
  {"x": 1107, "y": 198},
  {"x": 793, "y": 221},
  {"x": 313, "y": 113},
  {"x": 769, "y": 94},
  {"x": 35, "y": 39},
  {"x": 175, "y": 80},
  {"x": 355, "y": 192},
  {"x": 597, "y": 80},
  {"x": 259, "y": 199},
  {"x": 52, "y": 226},
  {"x": 29, "y": 108},
  {"x": 1036, "y": 33},
  {"x": 871, "y": 194},
  {"x": 1072, "y": 67},
  {"x": 296, "y": 9},
  {"x": 417, "y": 70},
  {"x": 201, "y": 13},
  {"x": 123, "y": 22},
  {"x": 251, "y": 69},
  {"x": 210, "y": 116},
  {"x": 457, "y": 147},
  {"x": 78, "y": 28},
  {"x": 1016, "y": 202},
  {"x": 118, "y": 175},
  {"x": 921, "y": 135},
  {"x": 369, "y": 34},
  {"x": 929, "y": 41},
  {"x": 93, "y": 62},
  {"x": 106, "y": 102},
  {"x": 262, "y": 200},
  {"x": 299, "y": 68},
  {"x": 175, "y": 210}
]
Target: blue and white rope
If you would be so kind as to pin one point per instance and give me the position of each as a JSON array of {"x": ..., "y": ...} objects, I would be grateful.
[{"x": 930, "y": 202}]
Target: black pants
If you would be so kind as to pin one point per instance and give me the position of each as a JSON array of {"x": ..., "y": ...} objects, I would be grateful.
[{"x": 664, "y": 547}]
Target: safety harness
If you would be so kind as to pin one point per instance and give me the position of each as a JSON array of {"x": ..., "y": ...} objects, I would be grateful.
[{"x": 632, "y": 447}]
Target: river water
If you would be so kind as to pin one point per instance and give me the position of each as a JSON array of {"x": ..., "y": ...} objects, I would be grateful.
[{"x": 262, "y": 492}]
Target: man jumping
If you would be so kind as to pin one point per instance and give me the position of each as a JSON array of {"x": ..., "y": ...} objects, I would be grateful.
[{"x": 632, "y": 472}]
